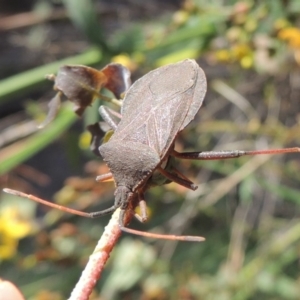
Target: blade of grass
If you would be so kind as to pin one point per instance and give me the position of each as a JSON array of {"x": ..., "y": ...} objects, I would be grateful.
[
  {"x": 200, "y": 28},
  {"x": 270, "y": 249},
  {"x": 282, "y": 191},
  {"x": 18, "y": 152}
]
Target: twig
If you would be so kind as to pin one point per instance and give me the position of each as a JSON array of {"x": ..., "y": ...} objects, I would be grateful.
[
  {"x": 17, "y": 131},
  {"x": 29, "y": 19},
  {"x": 98, "y": 259}
]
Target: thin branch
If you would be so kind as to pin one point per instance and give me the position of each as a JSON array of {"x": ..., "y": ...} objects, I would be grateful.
[{"x": 98, "y": 258}]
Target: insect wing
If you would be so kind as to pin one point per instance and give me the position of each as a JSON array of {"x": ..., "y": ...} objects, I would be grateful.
[
  {"x": 160, "y": 104},
  {"x": 199, "y": 94}
]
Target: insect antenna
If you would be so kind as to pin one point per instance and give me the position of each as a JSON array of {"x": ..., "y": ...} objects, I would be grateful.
[
  {"x": 57, "y": 206},
  {"x": 104, "y": 212}
]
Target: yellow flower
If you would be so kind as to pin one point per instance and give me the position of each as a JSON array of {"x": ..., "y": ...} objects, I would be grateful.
[
  {"x": 11, "y": 223},
  {"x": 291, "y": 36},
  {"x": 241, "y": 53},
  {"x": 247, "y": 61},
  {"x": 241, "y": 50},
  {"x": 12, "y": 228},
  {"x": 125, "y": 60},
  {"x": 8, "y": 247},
  {"x": 223, "y": 55},
  {"x": 85, "y": 140}
]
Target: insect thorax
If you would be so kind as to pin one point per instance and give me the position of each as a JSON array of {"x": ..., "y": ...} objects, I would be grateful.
[{"x": 130, "y": 163}]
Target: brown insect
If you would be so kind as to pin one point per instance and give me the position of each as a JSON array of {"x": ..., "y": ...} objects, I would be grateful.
[{"x": 141, "y": 151}]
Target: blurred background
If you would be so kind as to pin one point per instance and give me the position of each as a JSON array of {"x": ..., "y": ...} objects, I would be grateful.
[{"x": 248, "y": 208}]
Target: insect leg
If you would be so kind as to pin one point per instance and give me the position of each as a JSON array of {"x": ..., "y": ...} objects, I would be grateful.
[
  {"x": 104, "y": 177},
  {"x": 181, "y": 175},
  {"x": 226, "y": 154},
  {"x": 185, "y": 238},
  {"x": 142, "y": 217},
  {"x": 106, "y": 114},
  {"x": 143, "y": 208},
  {"x": 186, "y": 183}
]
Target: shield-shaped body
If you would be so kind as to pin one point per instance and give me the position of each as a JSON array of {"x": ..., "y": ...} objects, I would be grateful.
[{"x": 155, "y": 109}]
